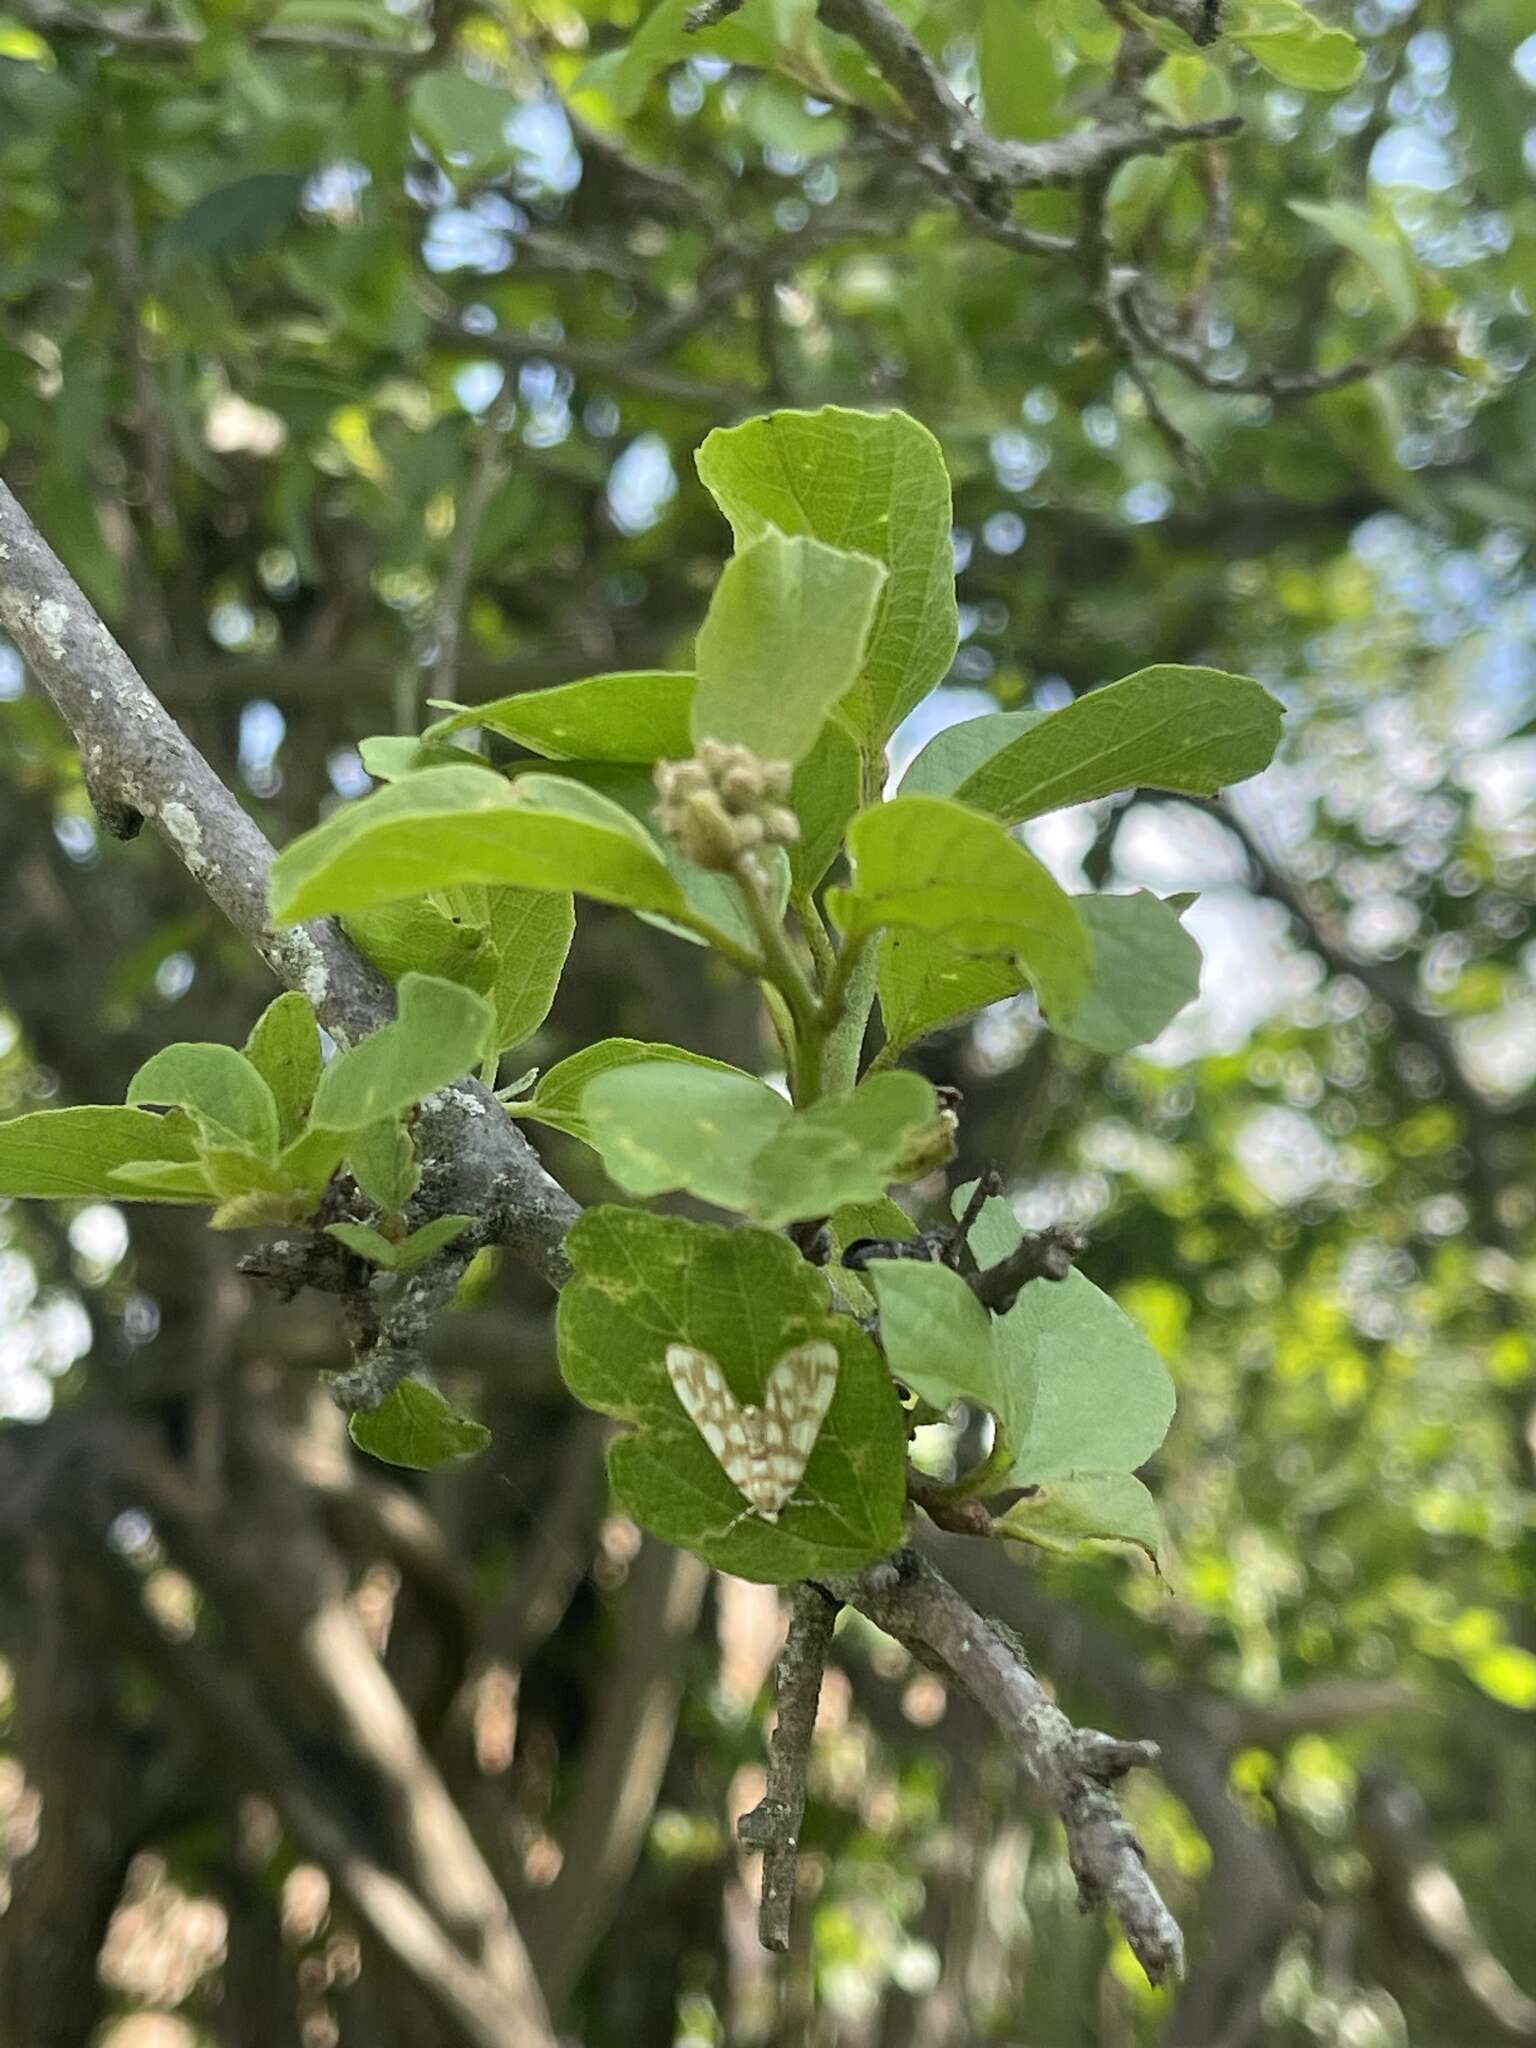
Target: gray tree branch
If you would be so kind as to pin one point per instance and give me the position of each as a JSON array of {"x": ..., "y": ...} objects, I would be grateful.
[
  {"x": 1072, "y": 1768},
  {"x": 773, "y": 1825}
]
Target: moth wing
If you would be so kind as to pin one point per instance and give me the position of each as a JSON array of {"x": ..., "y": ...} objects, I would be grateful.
[
  {"x": 795, "y": 1403},
  {"x": 700, "y": 1386}
]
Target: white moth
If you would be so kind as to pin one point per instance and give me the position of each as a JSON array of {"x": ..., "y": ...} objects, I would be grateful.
[{"x": 762, "y": 1451}]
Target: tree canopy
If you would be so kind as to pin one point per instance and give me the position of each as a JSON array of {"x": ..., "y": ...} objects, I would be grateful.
[{"x": 644, "y": 505}]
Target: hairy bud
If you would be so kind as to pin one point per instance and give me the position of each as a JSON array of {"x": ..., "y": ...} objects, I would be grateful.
[{"x": 725, "y": 804}]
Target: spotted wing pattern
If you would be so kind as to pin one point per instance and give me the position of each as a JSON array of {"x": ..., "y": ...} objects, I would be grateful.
[{"x": 762, "y": 1451}]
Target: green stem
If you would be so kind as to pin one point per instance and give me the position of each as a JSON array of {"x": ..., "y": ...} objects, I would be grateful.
[
  {"x": 817, "y": 937},
  {"x": 849, "y": 999},
  {"x": 781, "y": 969}
]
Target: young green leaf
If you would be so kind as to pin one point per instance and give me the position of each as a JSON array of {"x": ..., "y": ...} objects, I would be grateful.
[
  {"x": 428, "y": 1241},
  {"x": 745, "y": 1297},
  {"x": 871, "y": 482},
  {"x": 783, "y": 642},
  {"x": 1194, "y": 730},
  {"x": 635, "y": 715},
  {"x": 930, "y": 865},
  {"x": 417, "y": 1427},
  {"x": 437, "y": 1037},
  {"x": 469, "y": 825},
  {"x": 663, "y": 1126},
  {"x": 218, "y": 1088},
  {"x": 284, "y": 1048},
  {"x": 1146, "y": 967},
  {"x": 402, "y": 1255},
  {"x": 1106, "y": 1507},
  {"x": 557, "y": 1100},
  {"x": 63, "y": 1154},
  {"x": 383, "y": 1163},
  {"x": 366, "y": 1242},
  {"x": 308, "y": 1163},
  {"x": 848, "y": 1148}
]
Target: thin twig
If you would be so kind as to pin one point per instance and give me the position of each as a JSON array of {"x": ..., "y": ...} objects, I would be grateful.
[
  {"x": 773, "y": 1825},
  {"x": 1041, "y": 1255},
  {"x": 1073, "y": 1768},
  {"x": 487, "y": 473}
]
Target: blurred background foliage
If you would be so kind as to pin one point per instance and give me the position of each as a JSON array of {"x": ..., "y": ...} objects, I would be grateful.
[{"x": 350, "y": 358}]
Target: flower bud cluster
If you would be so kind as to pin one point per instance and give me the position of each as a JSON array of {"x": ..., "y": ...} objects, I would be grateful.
[{"x": 725, "y": 803}]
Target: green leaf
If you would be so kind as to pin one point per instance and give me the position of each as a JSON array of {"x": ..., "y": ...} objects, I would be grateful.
[
  {"x": 874, "y": 483},
  {"x": 368, "y": 1243},
  {"x": 1020, "y": 86},
  {"x": 389, "y": 757},
  {"x": 428, "y": 1241},
  {"x": 941, "y": 1342},
  {"x": 383, "y": 1163},
  {"x": 308, "y": 1163},
  {"x": 665, "y": 1125},
  {"x": 731, "y": 1139},
  {"x": 1194, "y": 730},
  {"x": 233, "y": 1170},
  {"x": 232, "y": 220},
  {"x": 1146, "y": 967},
  {"x": 469, "y": 825},
  {"x": 783, "y": 642},
  {"x": 508, "y": 945},
  {"x": 635, "y": 715},
  {"x": 927, "y": 864},
  {"x": 437, "y": 1038},
  {"x": 63, "y": 1154},
  {"x": 530, "y": 931},
  {"x": 848, "y": 1148},
  {"x": 557, "y": 1100},
  {"x": 708, "y": 896},
  {"x": 753, "y": 35},
  {"x": 1293, "y": 46},
  {"x": 218, "y": 1088},
  {"x": 1380, "y": 245},
  {"x": 160, "y": 1180},
  {"x": 923, "y": 984},
  {"x": 418, "y": 935},
  {"x": 745, "y": 1296},
  {"x": 827, "y": 786},
  {"x": 416, "y": 1427},
  {"x": 1110, "y": 1507},
  {"x": 1506, "y": 1673},
  {"x": 1103, "y": 1397},
  {"x": 401, "y": 1255},
  {"x": 463, "y": 121},
  {"x": 954, "y": 754},
  {"x": 284, "y": 1048}
]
